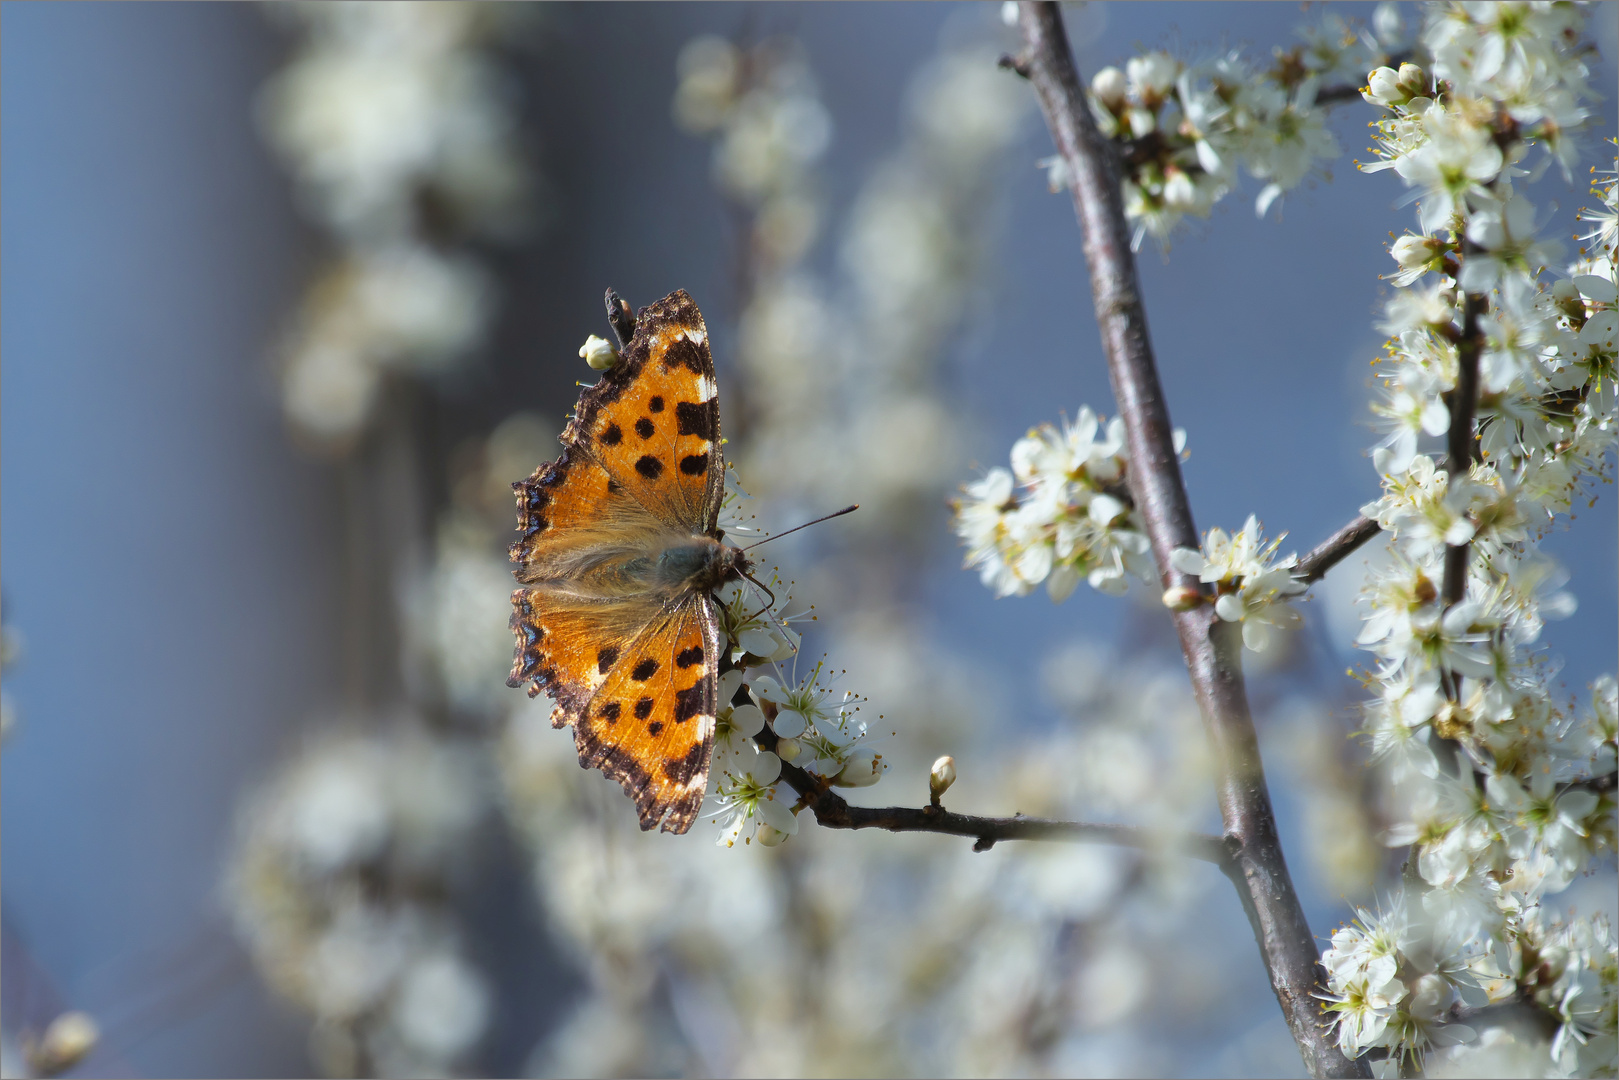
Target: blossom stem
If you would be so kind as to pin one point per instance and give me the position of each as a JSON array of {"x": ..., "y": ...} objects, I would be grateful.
[
  {"x": 1334, "y": 549},
  {"x": 1212, "y": 649},
  {"x": 834, "y": 812}
]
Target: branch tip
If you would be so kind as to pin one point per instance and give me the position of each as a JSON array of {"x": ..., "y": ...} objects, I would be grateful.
[
  {"x": 621, "y": 318},
  {"x": 1018, "y": 63}
]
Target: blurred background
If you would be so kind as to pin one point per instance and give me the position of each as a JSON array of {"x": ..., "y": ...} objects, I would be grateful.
[{"x": 292, "y": 295}]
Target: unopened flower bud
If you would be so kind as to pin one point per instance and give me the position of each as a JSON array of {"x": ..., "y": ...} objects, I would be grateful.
[
  {"x": 66, "y": 1042},
  {"x": 1383, "y": 88},
  {"x": 1414, "y": 81},
  {"x": 789, "y": 749},
  {"x": 862, "y": 769},
  {"x": 942, "y": 776},
  {"x": 1182, "y": 597},
  {"x": 1110, "y": 87},
  {"x": 598, "y": 353},
  {"x": 1416, "y": 252},
  {"x": 768, "y": 835}
]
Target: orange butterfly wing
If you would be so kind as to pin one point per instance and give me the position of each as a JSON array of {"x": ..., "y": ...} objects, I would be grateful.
[
  {"x": 577, "y": 526},
  {"x": 651, "y": 724},
  {"x": 653, "y": 420},
  {"x": 641, "y": 469}
]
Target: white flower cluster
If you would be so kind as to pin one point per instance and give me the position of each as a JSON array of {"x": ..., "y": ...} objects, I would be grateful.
[
  {"x": 921, "y": 958},
  {"x": 1248, "y": 588},
  {"x": 812, "y": 726},
  {"x": 1185, "y": 130},
  {"x": 400, "y": 134},
  {"x": 338, "y": 885},
  {"x": 1061, "y": 515},
  {"x": 1393, "y": 980},
  {"x": 1506, "y": 797}
]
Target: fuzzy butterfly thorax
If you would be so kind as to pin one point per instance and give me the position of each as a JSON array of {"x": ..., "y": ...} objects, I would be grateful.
[
  {"x": 701, "y": 563},
  {"x": 619, "y": 553}
]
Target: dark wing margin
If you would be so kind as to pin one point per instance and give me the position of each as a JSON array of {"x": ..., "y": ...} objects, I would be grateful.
[{"x": 653, "y": 422}]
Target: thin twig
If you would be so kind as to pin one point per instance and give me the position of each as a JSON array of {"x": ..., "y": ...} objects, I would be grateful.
[
  {"x": 1212, "y": 650},
  {"x": 1332, "y": 95},
  {"x": 833, "y": 812},
  {"x": 1335, "y": 549},
  {"x": 1596, "y": 785},
  {"x": 622, "y": 318}
]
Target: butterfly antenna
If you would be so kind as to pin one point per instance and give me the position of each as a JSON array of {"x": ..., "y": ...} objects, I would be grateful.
[
  {"x": 768, "y": 593},
  {"x": 807, "y": 524}
]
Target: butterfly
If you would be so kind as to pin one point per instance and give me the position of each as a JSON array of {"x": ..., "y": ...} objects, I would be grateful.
[{"x": 620, "y": 553}]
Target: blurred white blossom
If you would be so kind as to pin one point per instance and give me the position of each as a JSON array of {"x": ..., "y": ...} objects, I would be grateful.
[
  {"x": 337, "y": 884},
  {"x": 400, "y": 132}
]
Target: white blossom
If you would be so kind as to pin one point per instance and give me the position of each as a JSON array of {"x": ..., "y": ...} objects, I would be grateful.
[
  {"x": 1491, "y": 769},
  {"x": 1059, "y": 516},
  {"x": 1248, "y": 588}
]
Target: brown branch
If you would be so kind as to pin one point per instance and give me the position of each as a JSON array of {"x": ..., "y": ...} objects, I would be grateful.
[
  {"x": 1212, "y": 650},
  {"x": 1461, "y": 442},
  {"x": 1335, "y": 549},
  {"x": 833, "y": 812},
  {"x": 1596, "y": 785},
  {"x": 1332, "y": 95}
]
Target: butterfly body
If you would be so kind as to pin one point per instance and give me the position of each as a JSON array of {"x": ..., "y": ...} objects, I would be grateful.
[{"x": 619, "y": 555}]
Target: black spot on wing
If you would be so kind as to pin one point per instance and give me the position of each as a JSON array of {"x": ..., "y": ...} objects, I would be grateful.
[
  {"x": 688, "y": 657},
  {"x": 696, "y": 418},
  {"x": 644, "y": 428},
  {"x": 656, "y": 404},
  {"x": 644, "y": 670},
  {"x": 609, "y": 712},
  {"x": 643, "y": 708},
  {"x": 689, "y": 702},
  {"x": 654, "y": 727},
  {"x": 606, "y": 658},
  {"x": 612, "y": 435},
  {"x": 694, "y": 464},
  {"x": 682, "y": 352},
  {"x": 649, "y": 466}
]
